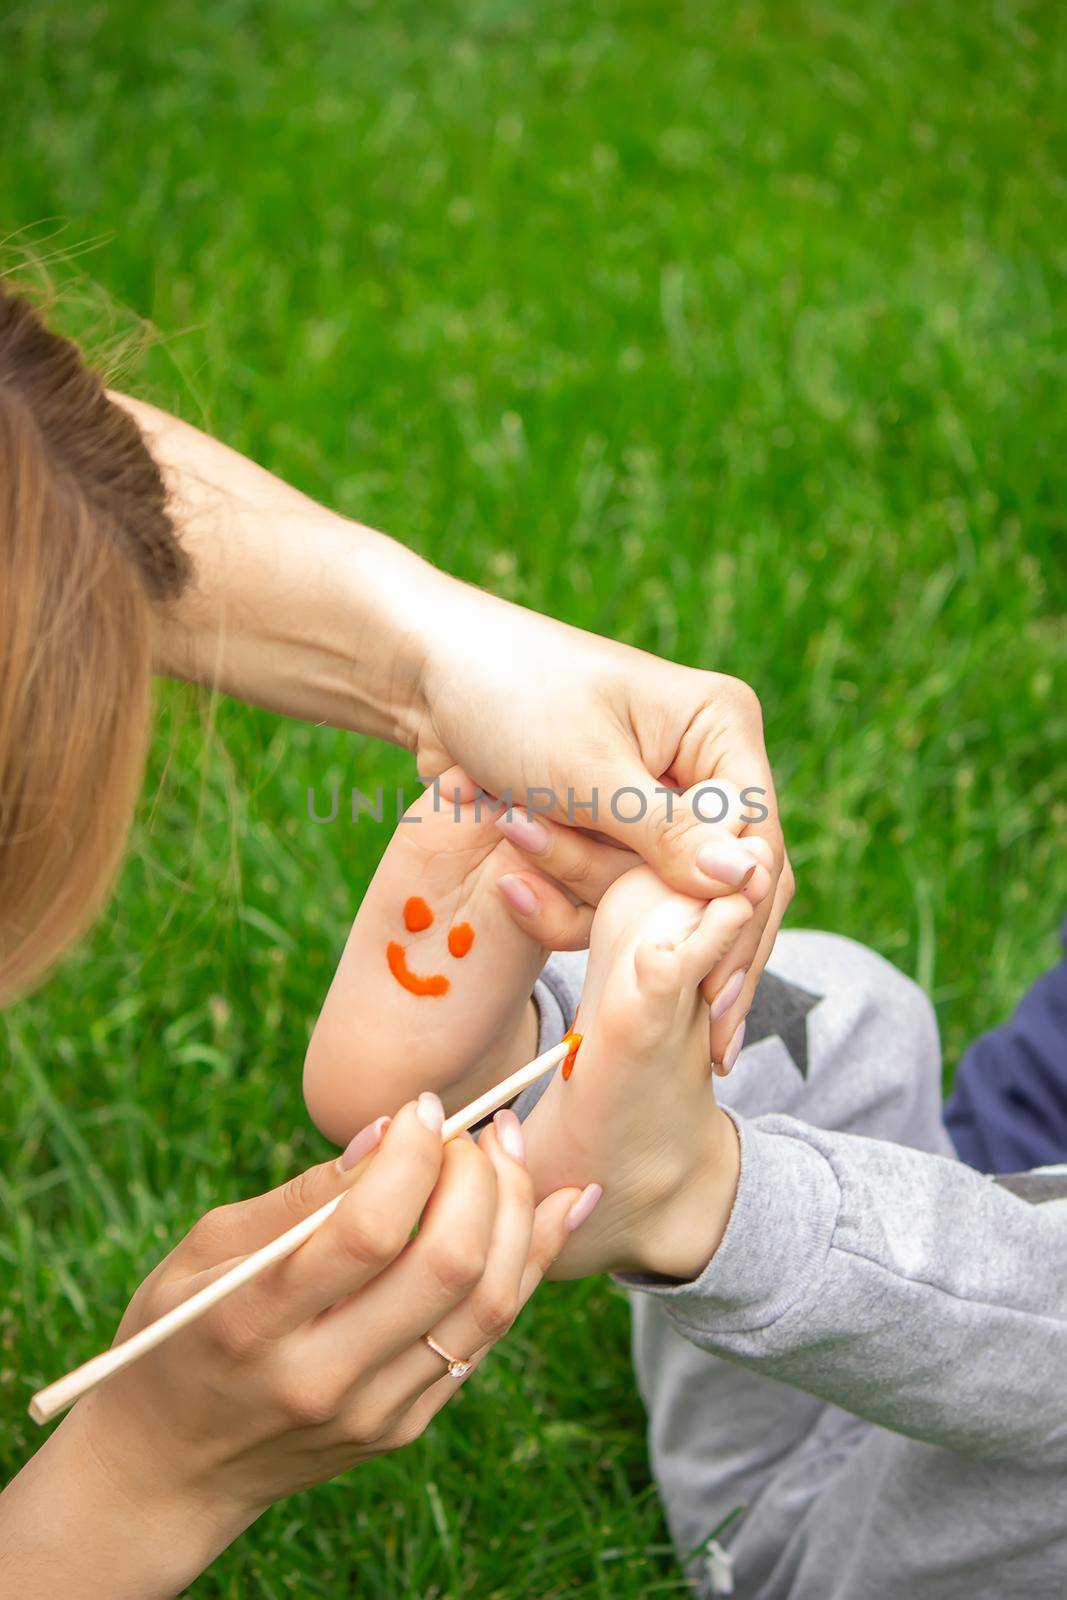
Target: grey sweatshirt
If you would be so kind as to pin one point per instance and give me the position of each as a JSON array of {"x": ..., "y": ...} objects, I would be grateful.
[{"x": 870, "y": 1375}]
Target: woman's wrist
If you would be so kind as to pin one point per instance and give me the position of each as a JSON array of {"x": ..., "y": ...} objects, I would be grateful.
[
  {"x": 326, "y": 624},
  {"x": 78, "y": 1522}
]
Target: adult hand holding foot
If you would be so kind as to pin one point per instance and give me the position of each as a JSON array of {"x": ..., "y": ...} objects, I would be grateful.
[
  {"x": 301, "y": 610},
  {"x": 320, "y": 1364},
  {"x": 565, "y": 872},
  {"x": 522, "y": 702}
]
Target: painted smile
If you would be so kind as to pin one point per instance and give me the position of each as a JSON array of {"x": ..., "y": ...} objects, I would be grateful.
[
  {"x": 436, "y": 983},
  {"x": 417, "y": 918}
]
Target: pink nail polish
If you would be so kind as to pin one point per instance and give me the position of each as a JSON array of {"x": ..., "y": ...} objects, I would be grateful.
[
  {"x": 728, "y": 994},
  {"x": 584, "y": 1206},
  {"x": 525, "y": 832},
  {"x": 430, "y": 1112},
  {"x": 733, "y": 1049},
  {"x": 509, "y": 1132},
  {"x": 518, "y": 894},
  {"x": 727, "y": 861},
  {"x": 366, "y": 1140}
]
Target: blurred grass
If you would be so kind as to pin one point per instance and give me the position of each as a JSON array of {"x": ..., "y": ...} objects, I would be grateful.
[{"x": 734, "y": 330}]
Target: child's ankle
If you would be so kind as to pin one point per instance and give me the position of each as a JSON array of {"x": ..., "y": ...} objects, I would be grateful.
[{"x": 683, "y": 1230}]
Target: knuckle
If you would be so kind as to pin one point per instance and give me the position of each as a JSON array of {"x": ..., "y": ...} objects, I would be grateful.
[
  {"x": 494, "y": 1312},
  {"x": 300, "y": 1194},
  {"x": 458, "y": 1264},
  {"x": 579, "y": 870},
  {"x": 239, "y": 1333},
  {"x": 736, "y": 913},
  {"x": 308, "y": 1402},
  {"x": 745, "y": 699},
  {"x": 761, "y": 849},
  {"x": 562, "y": 929},
  {"x": 368, "y": 1238},
  {"x": 567, "y": 933},
  {"x": 372, "y": 1423},
  {"x": 406, "y": 1429},
  {"x": 722, "y": 792},
  {"x": 209, "y": 1235},
  {"x": 672, "y": 825}
]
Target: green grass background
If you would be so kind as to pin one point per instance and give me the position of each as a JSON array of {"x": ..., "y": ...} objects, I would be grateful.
[{"x": 734, "y": 330}]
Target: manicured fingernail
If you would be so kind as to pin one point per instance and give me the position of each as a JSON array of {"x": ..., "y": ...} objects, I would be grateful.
[
  {"x": 430, "y": 1112},
  {"x": 728, "y": 994},
  {"x": 733, "y": 1049},
  {"x": 526, "y": 832},
  {"x": 366, "y": 1140},
  {"x": 509, "y": 1132},
  {"x": 727, "y": 861},
  {"x": 584, "y": 1206},
  {"x": 518, "y": 894}
]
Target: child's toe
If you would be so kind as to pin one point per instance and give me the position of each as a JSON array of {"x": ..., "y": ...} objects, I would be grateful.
[
  {"x": 659, "y": 970},
  {"x": 714, "y": 936}
]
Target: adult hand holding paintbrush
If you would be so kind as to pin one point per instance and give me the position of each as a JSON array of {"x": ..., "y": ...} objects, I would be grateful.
[{"x": 339, "y": 1352}]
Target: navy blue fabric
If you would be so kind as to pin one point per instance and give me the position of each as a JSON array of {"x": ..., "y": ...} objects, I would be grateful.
[{"x": 1008, "y": 1109}]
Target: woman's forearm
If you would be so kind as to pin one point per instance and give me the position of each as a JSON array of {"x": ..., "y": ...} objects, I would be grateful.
[
  {"x": 292, "y": 606},
  {"x": 71, "y": 1525}
]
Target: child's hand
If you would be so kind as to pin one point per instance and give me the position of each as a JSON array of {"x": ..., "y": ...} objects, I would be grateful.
[
  {"x": 638, "y": 1115},
  {"x": 433, "y": 987}
]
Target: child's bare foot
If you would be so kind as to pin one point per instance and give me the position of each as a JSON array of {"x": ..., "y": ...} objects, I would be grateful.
[
  {"x": 433, "y": 988},
  {"x": 638, "y": 1115}
]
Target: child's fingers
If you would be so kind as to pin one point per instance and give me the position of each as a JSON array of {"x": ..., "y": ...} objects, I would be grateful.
[
  {"x": 585, "y": 866},
  {"x": 542, "y": 910}
]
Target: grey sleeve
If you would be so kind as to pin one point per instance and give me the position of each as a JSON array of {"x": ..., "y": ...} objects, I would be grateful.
[{"x": 901, "y": 1286}]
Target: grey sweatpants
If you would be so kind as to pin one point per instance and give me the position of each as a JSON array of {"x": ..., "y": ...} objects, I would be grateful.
[{"x": 872, "y": 1370}]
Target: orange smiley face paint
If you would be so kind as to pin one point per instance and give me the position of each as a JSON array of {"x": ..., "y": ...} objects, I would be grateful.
[
  {"x": 460, "y": 939},
  {"x": 417, "y": 914},
  {"x": 417, "y": 918},
  {"x": 396, "y": 955}
]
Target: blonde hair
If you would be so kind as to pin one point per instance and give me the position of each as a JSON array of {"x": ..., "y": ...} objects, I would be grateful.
[{"x": 87, "y": 555}]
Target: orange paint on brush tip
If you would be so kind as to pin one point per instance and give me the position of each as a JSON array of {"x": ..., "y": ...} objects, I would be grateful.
[
  {"x": 573, "y": 1039},
  {"x": 460, "y": 939},
  {"x": 436, "y": 984},
  {"x": 417, "y": 914}
]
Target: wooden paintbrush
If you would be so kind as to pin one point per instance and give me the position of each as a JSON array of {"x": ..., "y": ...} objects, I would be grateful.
[{"x": 49, "y": 1402}]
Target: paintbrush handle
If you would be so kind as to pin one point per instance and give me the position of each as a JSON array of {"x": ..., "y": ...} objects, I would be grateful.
[{"x": 48, "y": 1402}]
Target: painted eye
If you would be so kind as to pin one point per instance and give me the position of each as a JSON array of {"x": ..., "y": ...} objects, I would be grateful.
[{"x": 417, "y": 914}]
